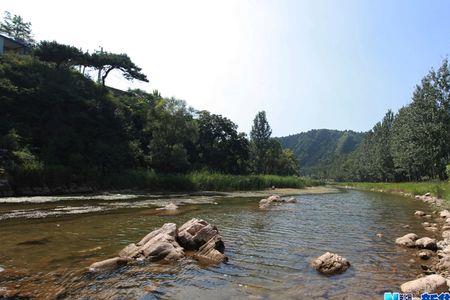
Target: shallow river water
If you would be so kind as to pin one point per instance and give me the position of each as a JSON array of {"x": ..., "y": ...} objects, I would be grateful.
[{"x": 46, "y": 247}]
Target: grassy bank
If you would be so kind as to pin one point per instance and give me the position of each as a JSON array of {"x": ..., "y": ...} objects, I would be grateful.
[
  {"x": 203, "y": 181},
  {"x": 440, "y": 189},
  {"x": 61, "y": 181}
]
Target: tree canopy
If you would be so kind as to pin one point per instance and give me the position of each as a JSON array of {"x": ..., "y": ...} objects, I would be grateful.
[
  {"x": 106, "y": 62},
  {"x": 15, "y": 27}
]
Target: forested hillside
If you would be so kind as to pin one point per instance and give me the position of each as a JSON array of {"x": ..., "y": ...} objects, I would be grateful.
[
  {"x": 411, "y": 145},
  {"x": 317, "y": 150}
]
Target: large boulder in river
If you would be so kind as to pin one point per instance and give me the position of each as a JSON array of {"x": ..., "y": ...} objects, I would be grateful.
[
  {"x": 160, "y": 244},
  {"x": 164, "y": 244},
  {"x": 408, "y": 240},
  {"x": 330, "y": 263},
  {"x": 428, "y": 284},
  {"x": 426, "y": 243},
  {"x": 197, "y": 234}
]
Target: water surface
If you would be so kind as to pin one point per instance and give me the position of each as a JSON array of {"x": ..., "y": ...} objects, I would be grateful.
[{"x": 49, "y": 246}]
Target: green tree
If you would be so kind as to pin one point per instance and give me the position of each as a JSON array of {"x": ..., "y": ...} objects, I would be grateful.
[
  {"x": 288, "y": 163},
  {"x": 59, "y": 53},
  {"x": 419, "y": 136},
  {"x": 15, "y": 27},
  {"x": 220, "y": 147},
  {"x": 172, "y": 134},
  {"x": 106, "y": 62},
  {"x": 260, "y": 142}
]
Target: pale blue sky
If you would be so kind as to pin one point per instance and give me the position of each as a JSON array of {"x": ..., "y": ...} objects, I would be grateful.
[{"x": 309, "y": 64}]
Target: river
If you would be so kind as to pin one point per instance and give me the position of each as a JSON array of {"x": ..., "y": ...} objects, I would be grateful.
[{"x": 46, "y": 247}]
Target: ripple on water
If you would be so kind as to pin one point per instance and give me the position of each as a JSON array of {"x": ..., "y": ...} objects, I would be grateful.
[{"x": 269, "y": 251}]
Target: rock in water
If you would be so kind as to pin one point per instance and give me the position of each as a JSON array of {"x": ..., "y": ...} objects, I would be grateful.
[
  {"x": 205, "y": 238},
  {"x": 170, "y": 206},
  {"x": 108, "y": 264},
  {"x": 195, "y": 233},
  {"x": 419, "y": 213},
  {"x": 212, "y": 251},
  {"x": 425, "y": 254},
  {"x": 264, "y": 203},
  {"x": 291, "y": 200},
  {"x": 131, "y": 251},
  {"x": 330, "y": 263},
  {"x": 428, "y": 284},
  {"x": 426, "y": 243},
  {"x": 164, "y": 244},
  {"x": 445, "y": 214},
  {"x": 168, "y": 228},
  {"x": 408, "y": 240},
  {"x": 159, "y": 244}
]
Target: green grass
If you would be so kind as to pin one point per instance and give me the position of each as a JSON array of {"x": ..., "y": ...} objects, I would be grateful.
[
  {"x": 439, "y": 189},
  {"x": 203, "y": 181}
]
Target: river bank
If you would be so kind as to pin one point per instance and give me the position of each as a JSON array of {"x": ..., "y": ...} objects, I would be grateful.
[
  {"x": 439, "y": 189},
  {"x": 147, "y": 181},
  {"x": 432, "y": 250}
]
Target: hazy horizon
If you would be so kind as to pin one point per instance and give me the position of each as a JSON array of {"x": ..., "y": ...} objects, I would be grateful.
[{"x": 337, "y": 65}]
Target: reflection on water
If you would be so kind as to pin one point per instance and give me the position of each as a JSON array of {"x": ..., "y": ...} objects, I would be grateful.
[{"x": 269, "y": 251}]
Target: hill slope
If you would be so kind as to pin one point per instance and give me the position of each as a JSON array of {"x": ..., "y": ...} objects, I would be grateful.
[{"x": 317, "y": 149}]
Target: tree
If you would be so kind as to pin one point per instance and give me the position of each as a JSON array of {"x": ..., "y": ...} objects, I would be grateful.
[
  {"x": 15, "y": 27},
  {"x": 105, "y": 62},
  {"x": 260, "y": 142},
  {"x": 59, "y": 53},
  {"x": 220, "y": 147},
  {"x": 288, "y": 163},
  {"x": 172, "y": 135}
]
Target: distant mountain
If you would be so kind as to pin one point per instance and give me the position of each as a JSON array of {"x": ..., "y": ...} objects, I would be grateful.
[{"x": 318, "y": 149}]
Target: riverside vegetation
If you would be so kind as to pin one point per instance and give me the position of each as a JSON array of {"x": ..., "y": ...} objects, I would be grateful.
[{"x": 60, "y": 131}]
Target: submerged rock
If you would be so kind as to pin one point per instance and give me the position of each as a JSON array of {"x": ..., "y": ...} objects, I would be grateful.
[
  {"x": 265, "y": 203},
  {"x": 330, "y": 263},
  {"x": 428, "y": 284},
  {"x": 170, "y": 206},
  {"x": 107, "y": 264}
]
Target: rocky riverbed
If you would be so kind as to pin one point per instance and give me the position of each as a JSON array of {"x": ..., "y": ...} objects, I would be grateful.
[{"x": 271, "y": 250}]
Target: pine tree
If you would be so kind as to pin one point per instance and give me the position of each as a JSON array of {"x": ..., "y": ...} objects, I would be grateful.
[{"x": 15, "y": 27}]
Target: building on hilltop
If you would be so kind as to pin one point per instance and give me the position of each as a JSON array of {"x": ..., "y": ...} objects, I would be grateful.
[{"x": 8, "y": 44}]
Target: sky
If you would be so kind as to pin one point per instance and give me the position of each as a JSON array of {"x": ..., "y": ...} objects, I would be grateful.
[{"x": 309, "y": 64}]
